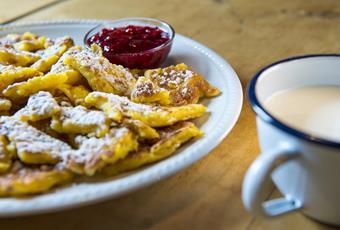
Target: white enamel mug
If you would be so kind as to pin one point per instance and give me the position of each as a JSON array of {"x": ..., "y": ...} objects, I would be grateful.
[{"x": 305, "y": 168}]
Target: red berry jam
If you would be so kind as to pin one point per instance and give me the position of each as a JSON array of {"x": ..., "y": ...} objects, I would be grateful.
[{"x": 133, "y": 46}]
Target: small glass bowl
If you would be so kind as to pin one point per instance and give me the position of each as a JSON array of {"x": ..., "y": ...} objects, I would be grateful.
[{"x": 148, "y": 59}]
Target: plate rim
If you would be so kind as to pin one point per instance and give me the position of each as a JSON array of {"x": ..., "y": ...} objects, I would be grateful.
[{"x": 221, "y": 132}]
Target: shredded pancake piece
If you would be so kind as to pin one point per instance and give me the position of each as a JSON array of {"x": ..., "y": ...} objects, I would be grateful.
[
  {"x": 32, "y": 145},
  {"x": 73, "y": 76},
  {"x": 142, "y": 130},
  {"x": 173, "y": 85},
  {"x": 79, "y": 120},
  {"x": 39, "y": 106},
  {"x": 171, "y": 138},
  {"x": 146, "y": 91},
  {"x": 31, "y": 42},
  {"x": 10, "y": 74},
  {"x": 100, "y": 74},
  {"x": 51, "y": 55},
  {"x": 25, "y": 180},
  {"x": 76, "y": 94},
  {"x": 94, "y": 153},
  {"x": 117, "y": 107},
  {"x": 24, "y": 89},
  {"x": 10, "y": 56},
  {"x": 24, "y": 42}
]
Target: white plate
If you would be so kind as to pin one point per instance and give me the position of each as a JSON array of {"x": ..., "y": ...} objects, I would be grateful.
[{"x": 224, "y": 112}]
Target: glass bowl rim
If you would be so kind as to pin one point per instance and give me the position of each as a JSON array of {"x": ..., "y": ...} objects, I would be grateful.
[{"x": 104, "y": 23}]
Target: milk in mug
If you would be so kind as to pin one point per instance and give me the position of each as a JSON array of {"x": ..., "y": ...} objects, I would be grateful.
[{"x": 311, "y": 109}]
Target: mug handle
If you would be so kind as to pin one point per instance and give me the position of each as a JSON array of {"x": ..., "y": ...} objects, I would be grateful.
[{"x": 257, "y": 184}]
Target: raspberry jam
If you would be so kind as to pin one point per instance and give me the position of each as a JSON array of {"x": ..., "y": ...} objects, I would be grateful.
[{"x": 139, "y": 47}]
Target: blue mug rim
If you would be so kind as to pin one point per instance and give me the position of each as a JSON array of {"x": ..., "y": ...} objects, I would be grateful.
[{"x": 263, "y": 114}]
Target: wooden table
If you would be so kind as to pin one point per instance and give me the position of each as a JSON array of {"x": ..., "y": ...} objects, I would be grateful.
[{"x": 249, "y": 34}]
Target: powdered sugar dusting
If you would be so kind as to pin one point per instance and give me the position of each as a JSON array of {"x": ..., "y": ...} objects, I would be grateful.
[
  {"x": 28, "y": 139},
  {"x": 173, "y": 78},
  {"x": 39, "y": 106},
  {"x": 119, "y": 78},
  {"x": 82, "y": 116},
  {"x": 57, "y": 48},
  {"x": 82, "y": 119},
  {"x": 92, "y": 146},
  {"x": 9, "y": 40},
  {"x": 123, "y": 103},
  {"x": 60, "y": 66}
]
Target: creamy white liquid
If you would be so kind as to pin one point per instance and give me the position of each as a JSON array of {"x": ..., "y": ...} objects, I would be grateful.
[{"x": 312, "y": 109}]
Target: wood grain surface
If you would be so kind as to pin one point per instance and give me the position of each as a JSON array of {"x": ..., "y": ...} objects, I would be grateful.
[
  {"x": 249, "y": 34},
  {"x": 15, "y": 9}
]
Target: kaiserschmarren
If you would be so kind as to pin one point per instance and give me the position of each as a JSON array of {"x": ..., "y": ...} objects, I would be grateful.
[{"x": 67, "y": 112}]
